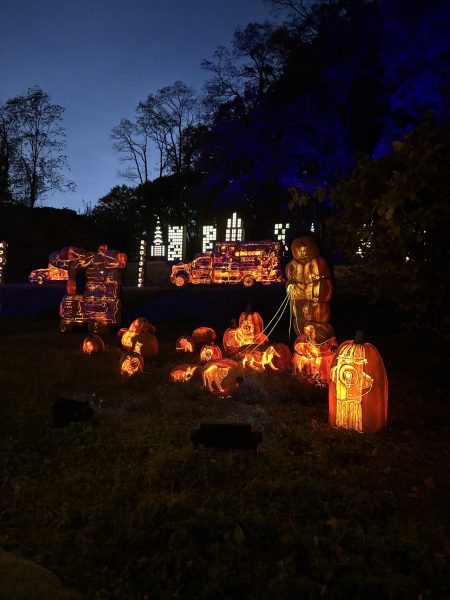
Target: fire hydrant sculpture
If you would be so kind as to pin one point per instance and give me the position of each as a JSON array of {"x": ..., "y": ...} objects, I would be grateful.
[{"x": 98, "y": 304}]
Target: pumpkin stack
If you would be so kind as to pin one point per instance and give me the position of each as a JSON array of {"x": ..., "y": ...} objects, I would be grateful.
[
  {"x": 141, "y": 342},
  {"x": 310, "y": 288}
]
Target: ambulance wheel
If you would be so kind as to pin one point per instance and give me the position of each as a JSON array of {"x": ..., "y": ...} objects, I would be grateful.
[
  {"x": 248, "y": 281},
  {"x": 180, "y": 281}
]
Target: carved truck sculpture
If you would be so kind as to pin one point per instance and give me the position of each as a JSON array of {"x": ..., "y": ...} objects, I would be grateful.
[{"x": 232, "y": 262}]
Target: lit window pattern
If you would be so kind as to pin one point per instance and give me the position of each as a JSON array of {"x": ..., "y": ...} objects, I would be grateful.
[
  {"x": 234, "y": 231},
  {"x": 142, "y": 262},
  {"x": 209, "y": 237},
  {"x": 158, "y": 248},
  {"x": 176, "y": 242},
  {"x": 312, "y": 228},
  {"x": 280, "y": 232}
]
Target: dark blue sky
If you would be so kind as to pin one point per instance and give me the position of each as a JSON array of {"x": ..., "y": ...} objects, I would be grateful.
[{"x": 99, "y": 58}]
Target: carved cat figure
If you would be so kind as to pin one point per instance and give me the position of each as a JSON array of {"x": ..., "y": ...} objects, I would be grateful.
[
  {"x": 214, "y": 375},
  {"x": 183, "y": 373}
]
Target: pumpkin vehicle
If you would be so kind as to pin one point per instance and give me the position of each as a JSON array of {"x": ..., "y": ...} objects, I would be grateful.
[
  {"x": 51, "y": 273},
  {"x": 232, "y": 262},
  {"x": 99, "y": 305}
]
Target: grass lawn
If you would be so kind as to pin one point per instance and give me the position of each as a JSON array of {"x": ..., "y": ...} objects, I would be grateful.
[{"x": 126, "y": 507}]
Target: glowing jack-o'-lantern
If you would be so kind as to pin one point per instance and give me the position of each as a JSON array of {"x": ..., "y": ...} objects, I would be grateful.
[
  {"x": 313, "y": 353},
  {"x": 131, "y": 363},
  {"x": 93, "y": 344},
  {"x": 309, "y": 283},
  {"x": 248, "y": 332},
  {"x": 203, "y": 335},
  {"x": 273, "y": 358},
  {"x": 210, "y": 352},
  {"x": 358, "y": 387},
  {"x": 140, "y": 337},
  {"x": 185, "y": 344},
  {"x": 183, "y": 373},
  {"x": 221, "y": 377}
]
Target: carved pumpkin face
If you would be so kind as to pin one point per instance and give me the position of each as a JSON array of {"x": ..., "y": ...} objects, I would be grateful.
[
  {"x": 92, "y": 344},
  {"x": 131, "y": 363},
  {"x": 250, "y": 330},
  {"x": 203, "y": 335},
  {"x": 305, "y": 248},
  {"x": 210, "y": 352},
  {"x": 221, "y": 377},
  {"x": 183, "y": 373},
  {"x": 358, "y": 388}
]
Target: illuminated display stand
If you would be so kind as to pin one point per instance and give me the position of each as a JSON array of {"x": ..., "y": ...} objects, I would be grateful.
[
  {"x": 142, "y": 263},
  {"x": 158, "y": 249},
  {"x": 176, "y": 246}
]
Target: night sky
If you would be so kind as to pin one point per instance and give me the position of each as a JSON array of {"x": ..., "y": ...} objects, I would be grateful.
[{"x": 99, "y": 58}]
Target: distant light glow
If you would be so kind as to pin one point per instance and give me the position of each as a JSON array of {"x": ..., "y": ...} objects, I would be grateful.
[
  {"x": 209, "y": 236},
  {"x": 176, "y": 242},
  {"x": 158, "y": 248},
  {"x": 234, "y": 231},
  {"x": 280, "y": 232},
  {"x": 3, "y": 246},
  {"x": 142, "y": 263}
]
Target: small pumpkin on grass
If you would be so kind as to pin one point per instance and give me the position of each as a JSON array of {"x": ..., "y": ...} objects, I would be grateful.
[
  {"x": 93, "y": 344},
  {"x": 221, "y": 377},
  {"x": 131, "y": 363},
  {"x": 210, "y": 352},
  {"x": 185, "y": 344},
  {"x": 203, "y": 335},
  {"x": 183, "y": 373}
]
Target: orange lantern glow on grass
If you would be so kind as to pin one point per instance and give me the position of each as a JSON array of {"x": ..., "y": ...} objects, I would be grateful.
[
  {"x": 358, "y": 387},
  {"x": 221, "y": 377}
]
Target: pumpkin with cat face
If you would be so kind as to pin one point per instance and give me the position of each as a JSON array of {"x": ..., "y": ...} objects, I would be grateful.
[
  {"x": 221, "y": 377},
  {"x": 131, "y": 363}
]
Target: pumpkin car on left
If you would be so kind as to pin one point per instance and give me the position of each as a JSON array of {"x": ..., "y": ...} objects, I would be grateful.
[{"x": 51, "y": 273}]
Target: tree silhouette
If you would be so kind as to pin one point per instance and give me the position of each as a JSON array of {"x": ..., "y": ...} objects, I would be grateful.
[{"x": 36, "y": 141}]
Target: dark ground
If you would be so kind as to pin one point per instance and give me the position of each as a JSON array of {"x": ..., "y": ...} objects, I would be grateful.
[{"x": 128, "y": 509}]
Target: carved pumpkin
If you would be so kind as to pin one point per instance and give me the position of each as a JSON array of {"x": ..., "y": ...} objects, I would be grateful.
[
  {"x": 140, "y": 337},
  {"x": 141, "y": 324},
  {"x": 230, "y": 342},
  {"x": 131, "y": 363},
  {"x": 203, "y": 335},
  {"x": 221, "y": 377},
  {"x": 251, "y": 328},
  {"x": 210, "y": 352},
  {"x": 305, "y": 248},
  {"x": 92, "y": 344},
  {"x": 313, "y": 353},
  {"x": 184, "y": 344},
  {"x": 183, "y": 373},
  {"x": 276, "y": 357},
  {"x": 358, "y": 387},
  {"x": 146, "y": 343}
]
